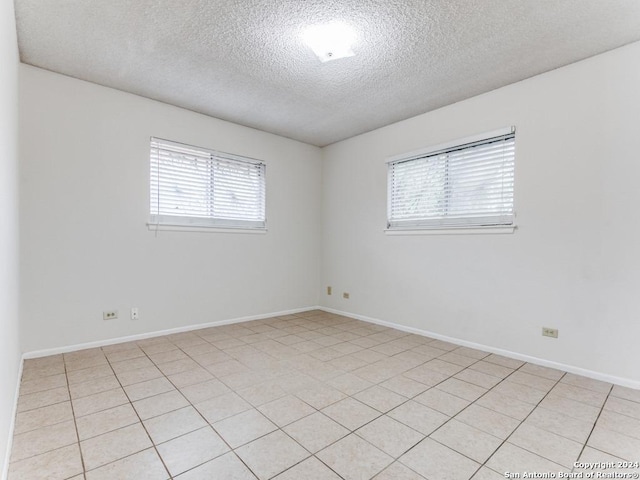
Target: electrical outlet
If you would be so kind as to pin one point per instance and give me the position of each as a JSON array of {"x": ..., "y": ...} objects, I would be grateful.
[
  {"x": 345, "y": 295},
  {"x": 328, "y": 290},
  {"x": 135, "y": 314},
  {"x": 549, "y": 332},
  {"x": 110, "y": 315}
]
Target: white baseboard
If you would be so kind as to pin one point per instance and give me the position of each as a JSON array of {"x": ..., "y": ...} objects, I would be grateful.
[
  {"x": 7, "y": 455},
  {"x": 142, "y": 336},
  {"x": 625, "y": 382}
]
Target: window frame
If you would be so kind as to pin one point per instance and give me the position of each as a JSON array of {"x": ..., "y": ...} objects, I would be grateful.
[
  {"x": 161, "y": 221},
  {"x": 430, "y": 227}
]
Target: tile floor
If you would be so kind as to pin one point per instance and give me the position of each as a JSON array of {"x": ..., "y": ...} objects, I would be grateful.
[{"x": 310, "y": 396}]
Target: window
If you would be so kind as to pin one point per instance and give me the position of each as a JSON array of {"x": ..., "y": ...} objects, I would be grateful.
[
  {"x": 192, "y": 186},
  {"x": 469, "y": 184}
]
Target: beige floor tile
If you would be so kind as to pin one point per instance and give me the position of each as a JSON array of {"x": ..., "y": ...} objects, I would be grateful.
[
  {"x": 535, "y": 381},
  {"x": 228, "y": 367},
  {"x": 309, "y": 469},
  {"x": 98, "y": 402},
  {"x": 546, "y": 372},
  {"x": 349, "y": 383},
  {"x": 397, "y": 471},
  {"x": 619, "y": 423},
  {"x": 123, "y": 355},
  {"x": 480, "y": 379},
  {"x": 558, "y": 449},
  {"x": 32, "y": 401},
  {"x": 390, "y": 436},
  {"x": 465, "y": 439},
  {"x": 506, "y": 405},
  {"x": 569, "y": 407},
  {"x": 488, "y": 421},
  {"x": 92, "y": 373},
  {"x": 43, "y": 383},
  {"x": 145, "y": 465},
  {"x": 487, "y": 474},
  {"x": 112, "y": 446},
  {"x": 511, "y": 458},
  {"x": 420, "y": 418},
  {"x": 442, "y": 401},
  {"x": 262, "y": 393},
  {"x": 588, "y": 383},
  {"x": 404, "y": 386},
  {"x": 44, "y": 370},
  {"x": 42, "y": 417},
  {"x": 225, "y": 467},
  {"x": 456, "y": 359},
  {"x": 167, "y": 357},
  {"x": 427, "y": 375},
  {"x": 350, "y": 413},
  {"x": 190, "y": 377},
  {"x": 354, "y": 458},
  {"x": 591, "y": 455},
  {"x": 471, "y": 352},
  {"x": 178, "y": 366},
  {"x": 221, "y": 407},
  {"x": 149, "y": 388},
  {"x": 491, "y": 369},
  {"x": 626, "y": 393},
  {"x": 583, "y": 395},
  {"x": 520, "y": 392},
  {"x": 92, "y": 387},
  {"x": 106, "y": 421},
  {"x": 560, "y": 424},
  {"x": 200, "y": 392},
  {"x": 173, "y": 424},
  {"x": 271, "y": 454},
  {"x": 445, "y": 368},
  {"x": 380, "y": 398},
  {"x": 433, "y": 460},
  {"x": 244, "y": 427},
  {"x": 191, "y": 450},
  {"x": 624, "y": 407},
  {"x": 57, "y": 464},
  {"x": 615, "y": 443},
  {"x": 286, "y": 410},
  {"x": 43, "y": 440},
  {"x": 133, "y": 364},
  {"x": 316, "y": 431},
  {"x": 160, "y": 404},
  {"x": 504, "y": 361},
  {"x": 320, "y": 396}
]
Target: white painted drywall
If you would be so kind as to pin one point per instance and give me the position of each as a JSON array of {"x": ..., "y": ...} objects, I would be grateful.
[
  {"x": 9, "y": 341},
  {"x": 84, "y": 208},
  {"x": 573, "y": 263}
]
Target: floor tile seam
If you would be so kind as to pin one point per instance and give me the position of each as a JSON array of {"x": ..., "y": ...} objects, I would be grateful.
[
  {"x": 75, "y": 424},
  {"x": 506, "y": 440},
  {"x": 595, "y": 423},
  {"x": 42, "y": 406},
  {"x": 153, "y": 445}
]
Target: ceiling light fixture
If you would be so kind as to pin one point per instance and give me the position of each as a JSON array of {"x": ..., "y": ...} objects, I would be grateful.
[{"x": 330, "y": 41}]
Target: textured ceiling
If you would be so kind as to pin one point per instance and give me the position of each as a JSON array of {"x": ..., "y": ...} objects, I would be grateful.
[{"x": 244, "y": 61}]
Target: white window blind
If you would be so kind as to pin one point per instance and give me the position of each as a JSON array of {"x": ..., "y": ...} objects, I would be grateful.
[
  {"x": 467, "y": 185},
  {"x": 192, "y": 186}
]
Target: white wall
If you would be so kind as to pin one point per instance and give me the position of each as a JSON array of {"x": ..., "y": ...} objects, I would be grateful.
[
  {"x": 84, "y": 204},
  {"x": 573, "y": 263},
  {"x": 9, "y": 341}
]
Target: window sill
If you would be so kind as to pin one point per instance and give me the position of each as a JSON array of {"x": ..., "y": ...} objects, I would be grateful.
[
  {"x": 453, "y": 231},
  {"x": 154, "y": 227}
]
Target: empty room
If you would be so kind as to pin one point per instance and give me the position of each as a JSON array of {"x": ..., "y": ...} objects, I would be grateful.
[{"x": 391, "y": 240}]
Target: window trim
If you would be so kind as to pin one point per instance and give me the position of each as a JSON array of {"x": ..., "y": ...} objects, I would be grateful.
[
  {"x": 447, "y": 229},
  {"x": 163, "y": 222}
]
